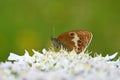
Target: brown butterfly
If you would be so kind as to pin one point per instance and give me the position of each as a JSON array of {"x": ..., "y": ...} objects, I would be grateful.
[{"x": 77, "y": 40}]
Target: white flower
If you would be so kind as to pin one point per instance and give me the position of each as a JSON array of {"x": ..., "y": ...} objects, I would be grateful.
[{"x": 62, "y": 65}]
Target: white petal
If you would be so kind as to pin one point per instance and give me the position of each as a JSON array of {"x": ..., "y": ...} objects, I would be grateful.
[
  {"x": 107, "y": 57},
  {"x": 15, "y": 57}
]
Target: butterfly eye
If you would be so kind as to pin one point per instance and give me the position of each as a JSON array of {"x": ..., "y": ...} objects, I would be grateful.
[{"x": 72, "y": 34}]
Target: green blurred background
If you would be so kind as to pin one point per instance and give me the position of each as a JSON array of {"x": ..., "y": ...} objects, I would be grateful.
[{"x": 29, "y": 24}]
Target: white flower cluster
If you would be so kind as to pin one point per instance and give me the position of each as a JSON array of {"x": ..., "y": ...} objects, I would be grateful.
[{"x": 62, "y": 65}]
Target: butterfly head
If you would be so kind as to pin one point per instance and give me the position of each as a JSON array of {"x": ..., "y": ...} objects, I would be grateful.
[{"x": 55, "y": 42}]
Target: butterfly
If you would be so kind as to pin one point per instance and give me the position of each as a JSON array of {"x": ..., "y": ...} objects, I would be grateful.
[{"x": 77, "y": 40}]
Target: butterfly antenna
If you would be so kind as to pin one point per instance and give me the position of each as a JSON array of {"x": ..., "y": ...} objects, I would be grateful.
[
  {"x": 53, "y": 29},
  {"x": 53, "y": 33}
]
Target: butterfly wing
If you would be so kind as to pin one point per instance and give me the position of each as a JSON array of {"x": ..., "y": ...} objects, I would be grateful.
[
  {"x": 85, "y": 38},
  {"x": 77, "y": 40},
  {"x": 66, "y": 41}
]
